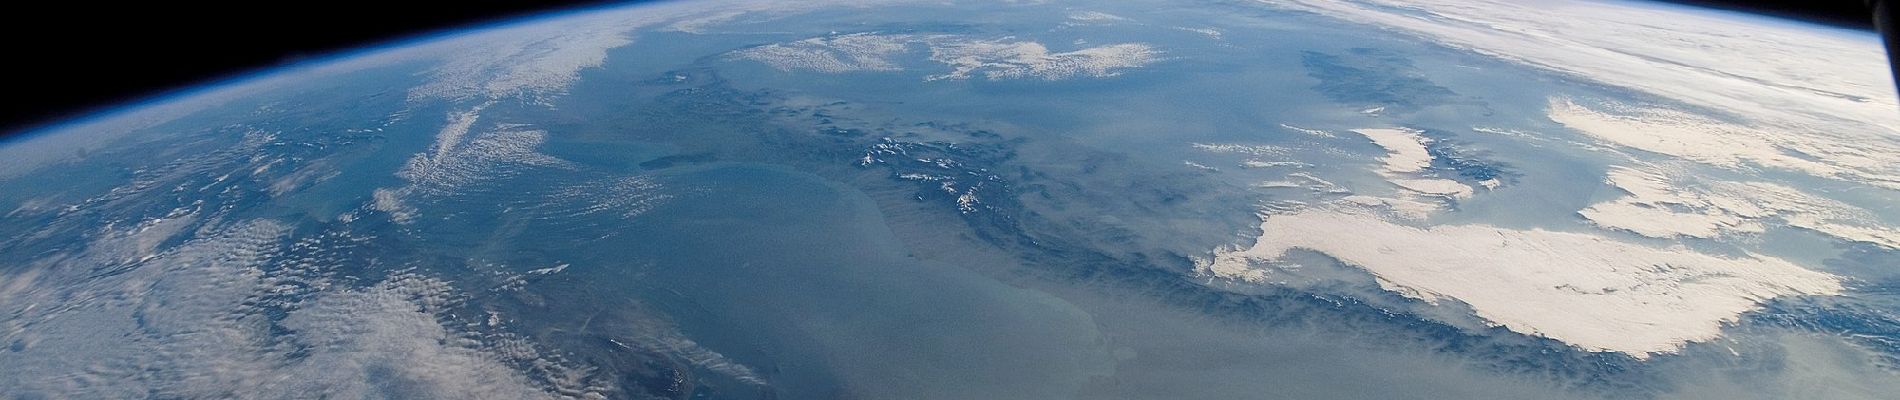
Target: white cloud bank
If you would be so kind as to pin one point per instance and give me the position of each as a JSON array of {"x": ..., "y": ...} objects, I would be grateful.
[
  {"x": 1805, "y": 98},
  {"x": 1663, "y": 206},
  {"x": 994, "y": 59},
  {"x": 1095, "y": 16},
  {"x": 1872, "y": 160},
  {"x": 1589, "y": 291},
  {"x": 540, "y": 60},
  {"x": 1008, "y": 59},
  {"x": 1407, "y": 158},
  {"x": 832, "y": 54},
  {"x": 530, "y": 62}
]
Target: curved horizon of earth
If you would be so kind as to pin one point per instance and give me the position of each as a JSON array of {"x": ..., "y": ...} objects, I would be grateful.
[{"x": 1051, "y": 199}]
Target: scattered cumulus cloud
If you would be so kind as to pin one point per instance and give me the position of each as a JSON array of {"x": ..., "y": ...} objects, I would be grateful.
[
  {"x": 1211, "y": 33},
  {"x": 189, "y": 322},
  {"x": 458, "y": 159}
]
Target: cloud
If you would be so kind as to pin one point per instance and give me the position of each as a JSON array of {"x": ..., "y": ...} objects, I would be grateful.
[
  {"x": 1406, "y": 166},
  {"x": 1586, "y": 290},
  {"x": 458, "y": 159},
  {"x": 624, "y": 196},
  {"x": 1095, "y": 17},
  {"x": 196, "y": 321},
  {"x": 832, "y": 54},
  {"x": 540, "y": 60},
  {"x": 385, "y": 340},
  {"x": 1734, "y": 146},
  {"x": 1009, "y": 59},
  {"x": 996, "y": 59},
  {"x": 1804, "y": 98},
  {"x": 1405, "y": 161},
  {"x": 1670, "y": 205},
  {"x": 531, "y": 62},
  {"x": 701, "y": 23}
]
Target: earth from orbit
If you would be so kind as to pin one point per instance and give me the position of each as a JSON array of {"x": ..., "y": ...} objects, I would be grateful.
[{"x": 985, "y": 200}]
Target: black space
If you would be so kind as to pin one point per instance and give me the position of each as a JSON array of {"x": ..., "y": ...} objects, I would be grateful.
[
  {"x": 70, "y": 58},
  {"x": 66, "y": 59},
  {"x": 1852, "y": 14}
]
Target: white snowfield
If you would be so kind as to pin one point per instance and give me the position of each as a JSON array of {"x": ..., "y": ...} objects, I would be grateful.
[{"x": 1589, "y": 291}]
